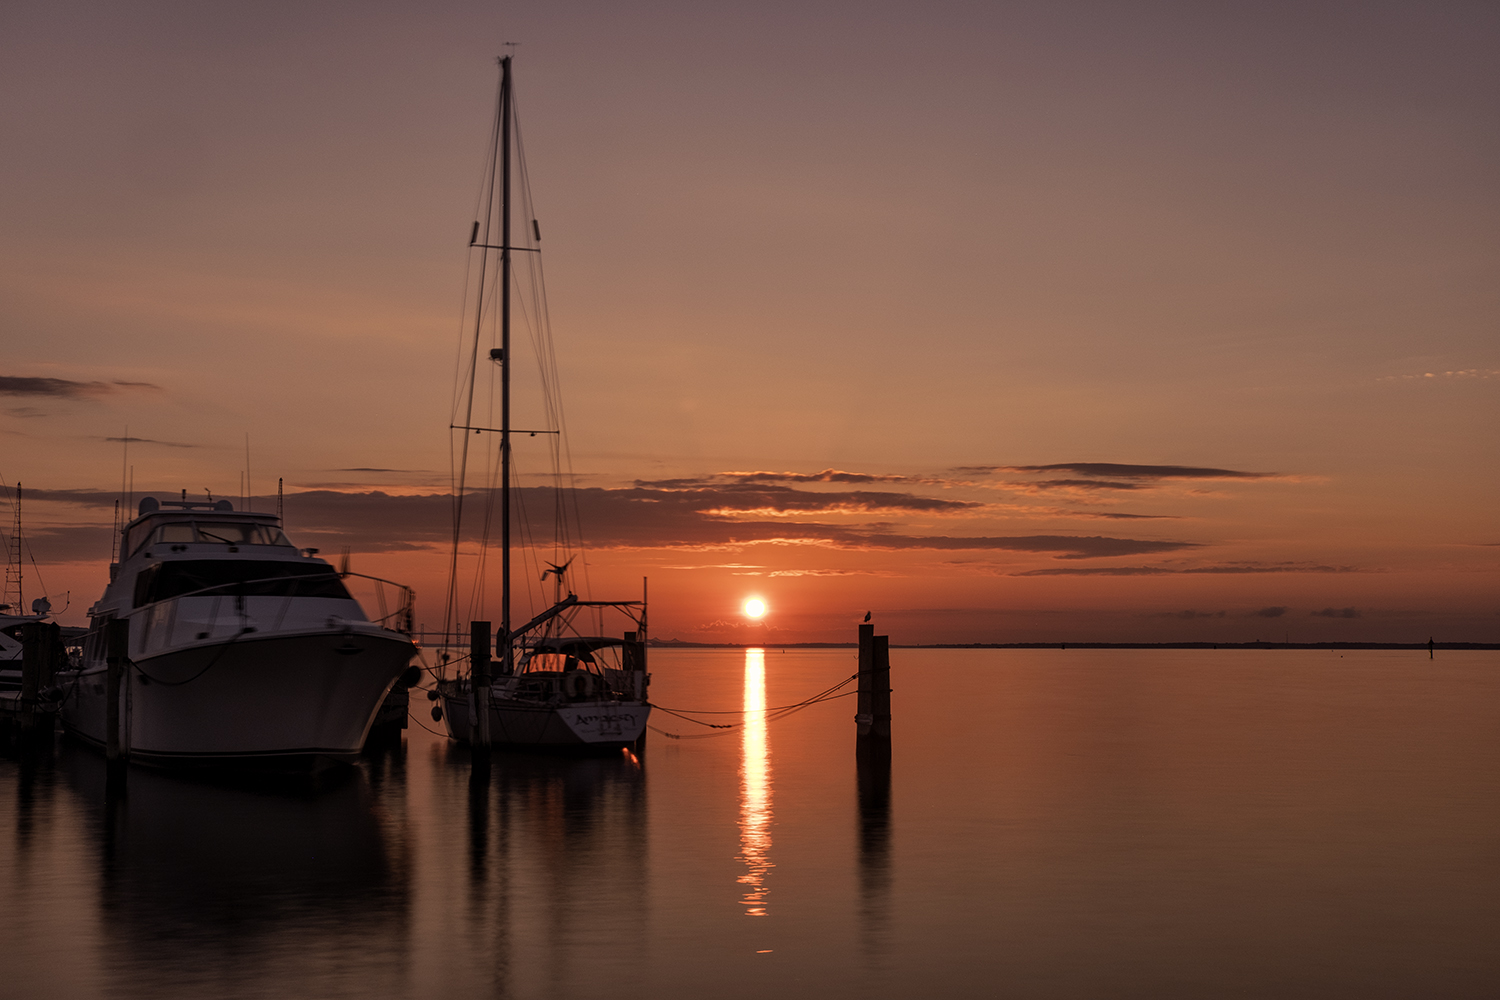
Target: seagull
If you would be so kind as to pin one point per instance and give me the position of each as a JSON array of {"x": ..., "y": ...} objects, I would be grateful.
[{"x": 867, "y": 616}]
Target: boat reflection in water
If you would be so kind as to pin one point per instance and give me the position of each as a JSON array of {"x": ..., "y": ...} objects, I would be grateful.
[
  {"x": 755, "y": 788},
  {"x": 555, "y": 901},
  {"x": 203, "y": 887}
]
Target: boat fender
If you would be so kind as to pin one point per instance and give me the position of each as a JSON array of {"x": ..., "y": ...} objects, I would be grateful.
[
  {"x": 437, "y": 713},
  {"x": 578, "y": 683}
]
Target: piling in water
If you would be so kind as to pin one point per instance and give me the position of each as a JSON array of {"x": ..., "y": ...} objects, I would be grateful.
[
  {"x": 479, "y": 687},
  {"x": 117, "y": 663},
  {"x": 872, "y": 742},
  {"x": 633, "y": 660}
]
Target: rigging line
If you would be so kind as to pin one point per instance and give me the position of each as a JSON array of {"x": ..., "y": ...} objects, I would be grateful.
[
  {"x": 458, "y": 494},
  {"x": 411, "y": 715},
  {"x": 547, "y": 362},
  {"x": 571, "y": 529}
]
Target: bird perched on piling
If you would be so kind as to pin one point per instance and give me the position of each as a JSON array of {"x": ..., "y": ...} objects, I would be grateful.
[{"x": 867, "y": 616}]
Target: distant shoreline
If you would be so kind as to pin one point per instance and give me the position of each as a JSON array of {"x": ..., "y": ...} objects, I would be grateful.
[{"x": 679, "y": 644}]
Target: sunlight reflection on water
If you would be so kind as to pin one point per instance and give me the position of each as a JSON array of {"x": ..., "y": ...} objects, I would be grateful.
[{"x": 755, "y": 788}]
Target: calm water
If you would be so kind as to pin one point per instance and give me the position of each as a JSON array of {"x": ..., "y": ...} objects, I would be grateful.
[{"x": 1091, "y": 823}]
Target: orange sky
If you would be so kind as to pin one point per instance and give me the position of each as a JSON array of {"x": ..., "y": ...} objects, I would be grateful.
[{"x": 1228, "y": 273}]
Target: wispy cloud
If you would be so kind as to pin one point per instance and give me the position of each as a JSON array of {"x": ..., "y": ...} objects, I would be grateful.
[
  {"x": 139, "y": 440},
  {"x": 62, "y": 388},
  {"x": 1337, "y": 613},
  {"x": 833, "y": 572},
  {"x": 826, "y": 476},
  {"x": 1113, "y": 470},
  {"x": 1229, "y": 569},
  {"x": 1272, "y": 612},
  {"x": 1462, "y": 373}
]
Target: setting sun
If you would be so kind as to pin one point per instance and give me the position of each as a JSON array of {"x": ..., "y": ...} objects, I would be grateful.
[{"x": 755, "y": 608}]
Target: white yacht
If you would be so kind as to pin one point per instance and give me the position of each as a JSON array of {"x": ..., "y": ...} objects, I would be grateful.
[{"x": 242, "y": 649}]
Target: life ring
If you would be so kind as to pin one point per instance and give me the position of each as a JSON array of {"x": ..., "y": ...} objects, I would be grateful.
[{"x": 578, "y": 684}]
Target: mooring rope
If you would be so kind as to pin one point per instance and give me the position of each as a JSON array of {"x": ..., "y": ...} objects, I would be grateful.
[{"x": 772, "y": 714}]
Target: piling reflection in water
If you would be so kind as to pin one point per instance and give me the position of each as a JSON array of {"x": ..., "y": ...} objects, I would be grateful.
[
  {"x": 873, "y": 762},
  {"x": 755, "y": 788}
]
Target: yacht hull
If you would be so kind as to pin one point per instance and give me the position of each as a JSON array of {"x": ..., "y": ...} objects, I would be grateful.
[{"x": 279, "y": 701}]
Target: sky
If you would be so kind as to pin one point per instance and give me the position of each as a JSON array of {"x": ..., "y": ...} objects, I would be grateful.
[{"x": 1004, "y": 321}]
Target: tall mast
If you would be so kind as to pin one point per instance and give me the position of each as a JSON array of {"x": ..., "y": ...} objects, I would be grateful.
[{"x": 505, "y": 117}]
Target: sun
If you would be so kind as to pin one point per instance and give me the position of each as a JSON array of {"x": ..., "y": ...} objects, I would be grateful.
[{"x": 755, "y": 608}]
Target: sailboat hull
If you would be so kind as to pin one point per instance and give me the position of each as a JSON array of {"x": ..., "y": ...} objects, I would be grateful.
[
  {"x": 598, "y": 725},
  {"x": 282, "y": 702}
]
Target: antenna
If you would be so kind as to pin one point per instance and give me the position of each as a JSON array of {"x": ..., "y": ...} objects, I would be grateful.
[
  {"x": 124, "y": 463},
  {"x": 279, "y": 518},
  {"x": 248, "y": 491}
]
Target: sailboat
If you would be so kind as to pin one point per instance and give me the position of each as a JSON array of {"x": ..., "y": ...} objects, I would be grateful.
[
  {"x": 13, "y": 618},
  {"x": 554, "y": 685}
]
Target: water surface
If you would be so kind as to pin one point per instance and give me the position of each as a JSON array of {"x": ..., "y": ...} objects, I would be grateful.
[{"x": 1079, "y": 823}]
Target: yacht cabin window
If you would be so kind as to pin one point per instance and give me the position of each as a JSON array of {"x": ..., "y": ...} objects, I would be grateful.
[{"x": 213, "y": 532}]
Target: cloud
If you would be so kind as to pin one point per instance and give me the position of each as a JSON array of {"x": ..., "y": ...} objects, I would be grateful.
[
  {"x": 1189, "y": 614},
  {"x": 739, "y": 500},
  {"x": 826, "y": 476},
  {"x": 1120, "y": 517},
  {"x": 635, "y": 517},
  {"x": 722, "y": 625},
  {"x": 164, "y": 444},
  {"x": 1069, "y": 485},
  {"x": 833, "y": 572},
  {"x": 1338, "y": 613},
  {"x": 1112, "y": 470},
  {"x": 1463, "y": 373},
  {"x": 1272, "y": 612},
  {"x": 62, "y": 388},
  {"x": 639, "y": 518},
  {"x": 1229, "y": 568}
]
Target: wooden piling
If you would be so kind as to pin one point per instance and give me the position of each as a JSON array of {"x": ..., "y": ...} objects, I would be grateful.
[
  {"x": 864, "y": 707},
  {"x": 633, "y": 661},
  {"x": 32, "y": 657},
  {"x": 479, "y": 684},
  {"x": 873, "y": 740},
  {"x": 117, "y": 662},
  {"x": 880, "y": 687}
]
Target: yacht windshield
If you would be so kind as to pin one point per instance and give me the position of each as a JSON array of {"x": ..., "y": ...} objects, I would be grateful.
[
  {"x": 237, "y": 578},
  {"x": 240, "y": 533},
  {"x": 220, "y": 532}
]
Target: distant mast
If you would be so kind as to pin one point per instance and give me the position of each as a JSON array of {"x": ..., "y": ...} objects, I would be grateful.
[{"x": 14, "y": 565}]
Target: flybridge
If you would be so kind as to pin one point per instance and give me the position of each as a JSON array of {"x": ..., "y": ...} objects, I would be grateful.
[{"x": 150, "y": 504}]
